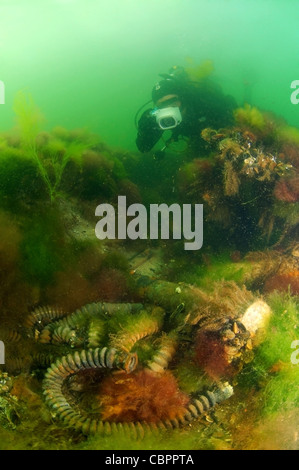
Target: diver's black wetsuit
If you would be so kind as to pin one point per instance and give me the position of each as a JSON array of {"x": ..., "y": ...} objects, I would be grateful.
[{"x": 205, "y": 106}]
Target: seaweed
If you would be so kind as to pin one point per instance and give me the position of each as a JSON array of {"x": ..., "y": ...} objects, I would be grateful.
[
  {"x": 43, "y": 249},
  {"x": 272, "y": 370},
  {"x": 141, "y": 396},
  {"x": 50, "y": 155}
]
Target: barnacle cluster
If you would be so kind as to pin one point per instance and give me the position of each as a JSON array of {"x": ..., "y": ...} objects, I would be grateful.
[
  {"x": 246, "y": 172},
  {"x": 265, "y": 166},
  {"x": 243, "y": 156}
]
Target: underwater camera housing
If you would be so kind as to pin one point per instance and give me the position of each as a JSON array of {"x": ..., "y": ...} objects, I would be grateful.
[{"x": 167, "y": 118}]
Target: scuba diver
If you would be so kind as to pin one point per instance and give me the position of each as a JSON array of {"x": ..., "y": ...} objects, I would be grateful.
[{"x": 185, "y": 107}]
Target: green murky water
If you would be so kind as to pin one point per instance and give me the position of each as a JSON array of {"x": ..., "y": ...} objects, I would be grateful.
[
  {"x": 216, "y": 324},
  {"x": 94, "y": 63}
]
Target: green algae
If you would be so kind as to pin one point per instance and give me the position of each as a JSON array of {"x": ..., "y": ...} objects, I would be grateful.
[
  {"x": 50, "y": 154},
  {"x": 190, "y": 378},
  {"x": 194, "y": 439},
  {"x": 250, "y": 117},
  {"x": 271, "y": 370},
  {"x": 72, "y": 163},
  {"x": 43, "y": 248},
  {"x": 21, "y": 186},
  {"x": 209, "y": 269}
]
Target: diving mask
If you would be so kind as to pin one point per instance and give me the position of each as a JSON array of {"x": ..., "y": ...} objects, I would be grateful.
[{"x": 167, "y": 118}]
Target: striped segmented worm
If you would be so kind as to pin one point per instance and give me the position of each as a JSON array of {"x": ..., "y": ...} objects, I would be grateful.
[
  {"x": 10, "y": 336},
  {"x": 146, "y": 323},
  {"x": 80, "y": 319},
  {"x": 96, "y": 331},
  {"x": 63, "y": 334},
  {"x": 42, "y": 316},
  {"x": 69, "y": 365},
  {"x": 73, "y": 363},
  {"x": 166, "y": 351}
]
